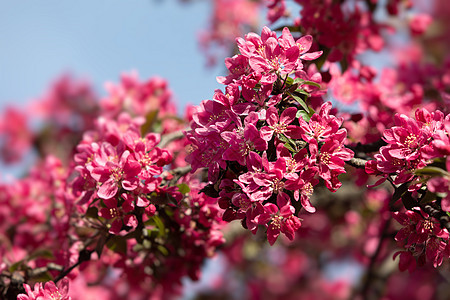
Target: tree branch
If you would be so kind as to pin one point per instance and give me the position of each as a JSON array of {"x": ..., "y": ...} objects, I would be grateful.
[
  {"x": 357, "y": 162},
  {"x": 170, "y": 137},
  {"x": 371, "y": 147},
  {"x": 370, "y": 273},
  {"x": 85, "y": 255}
]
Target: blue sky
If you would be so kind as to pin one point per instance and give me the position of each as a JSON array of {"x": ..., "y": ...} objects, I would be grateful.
[{"x": 99, "y": 40}]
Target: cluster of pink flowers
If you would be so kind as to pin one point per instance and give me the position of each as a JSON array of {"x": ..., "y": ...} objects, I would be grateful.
[
  {"x": 264, "y": 148},
  {"x": 35, "y": 218},
  {"x": 63, "y": 113},
  {"x": 417, "y": 155},
  {"x": 120, "y": 199},
  {"x": 122, "y": 169},
  {"x": 412, "y": 144},
  {"x": 48, "y": 292},
  {"x": 423, "y": 239},
  {"x": 158, "y": 224}
]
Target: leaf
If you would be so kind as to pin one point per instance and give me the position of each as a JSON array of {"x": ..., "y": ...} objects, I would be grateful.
[
  {"x": 289, "y": 147},
  {"x": 150, "y": 119},
  {"x": 101, "y": 243},
  {"x": 312, "y": 83},
  {"x": 160, "y": 225},
  {"x": 210, "y": 191},
  {"x": 117, "y": 244},
  {"x": 304, "y": 115},
  {"x": 408, "y": 201},
  {"x": 43, "y": 277},
  {"x": 398, "y": 193},
  {"x": 298, "y": 81},
  {"x": 283, "y": 138},
  {"x": 183, "y": 188},
  {"x": 15, "y": 266},
  {"x": 428, "y": 198},
  {"x": 163, "y": 250},
  {"x": 431, "y": 171},
  {"x": 41, "y": 253},
  {"x": 92, "y": 212},
  {"x": 290, "y": 81},
  {"x": 300, "y": 101}
]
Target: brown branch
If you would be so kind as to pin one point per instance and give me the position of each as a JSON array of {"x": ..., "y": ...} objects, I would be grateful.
[
  {"x": 85, "y": 255},
  {"x": 369, "y": 148},
  {"x": 370, "y": 272},
  {"x": 357, "y": 162},
  {"x": 170, "y": 137},
  {"x": 178, "y": 173}
]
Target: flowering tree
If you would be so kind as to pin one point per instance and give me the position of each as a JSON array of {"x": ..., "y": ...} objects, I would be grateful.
[{"x": 328, "y": 161}]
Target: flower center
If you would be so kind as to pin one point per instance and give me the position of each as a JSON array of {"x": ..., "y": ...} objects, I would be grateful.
[
  {"x": 410, "y": 140},
  {"x": 308, "y": 189},
  {"x": 279, "y": 128},
  {"x": 277, "y": 185},
  {"x": 325, "y": 158}
]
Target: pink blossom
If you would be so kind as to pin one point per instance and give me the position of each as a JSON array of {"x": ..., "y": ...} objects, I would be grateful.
[
  {"x": 280, "y": 125},
  {"x": 49, "y": 292}
]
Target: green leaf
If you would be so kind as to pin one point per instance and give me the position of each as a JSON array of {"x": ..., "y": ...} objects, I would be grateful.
[
  {"x": 41, "y": 253},
  {"x": 43, "y": 277},
  {"x": 289, "y": 147},
  {"x": 304, "y": 115},
  {"x": 298, "y": 81},
  {"x": 283, "y": 138},
  {"x": 15, "y": 266},
  {"x": 169, "y": 211},
  {"x": 289, "y": 81},
  {"x": 101, "y": 243},
  {"x": 408, "y": 201},
  {"x": 183, "y": 188},
  {"x": 312, "y": 83},
  {"x": 163, "y": 250},
  {"x": 431, "y": 171},
  {"x": 428, "y": 198},
  {"x": 160, "y": 225},
  {"x": 117, "y": 244},
  {"x": 300, "y": 101},
  {"x": 150, "y": 119},
  {"x": 92, "y": 212}
]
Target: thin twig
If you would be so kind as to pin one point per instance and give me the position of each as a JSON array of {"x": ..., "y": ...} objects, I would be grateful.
[
  {"x": 370, "y": 274},
  {"x": 85, "y": 255},
  {"x": 179, "y": 172}
]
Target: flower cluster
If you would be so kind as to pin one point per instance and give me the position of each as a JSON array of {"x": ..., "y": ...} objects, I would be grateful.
[
  {"x": 412, "y": 144},
  {"x": 264, "y": 148},
  {"x": 48, "y": 292},
  {"x": 122, "y": 169},
  {"x": 123, "y": 202},
  {"x": 416, "y": 160},
  {"x": 423, "y": 238},
  {"x": 156, "y": 225}
]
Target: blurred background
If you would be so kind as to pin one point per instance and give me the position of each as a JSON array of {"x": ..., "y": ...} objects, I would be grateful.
[{"x": 99, "y": 40}]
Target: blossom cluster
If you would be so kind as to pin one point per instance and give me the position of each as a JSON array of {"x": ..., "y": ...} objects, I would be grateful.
[
  {"x": 128, "y": 186},
  {"x": 423, "y": 238},
  {"x": 417, "y": 157},
  {"x": 264, "y": 148},
  {"x": 119, "y": 197},
  {"x": 413, "y": 144},
  {"x": 48, "y": 292},
  {"x": 122, "y": 169}
]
